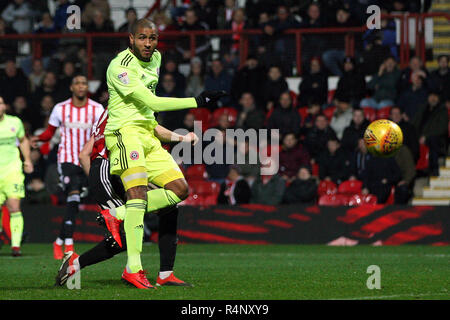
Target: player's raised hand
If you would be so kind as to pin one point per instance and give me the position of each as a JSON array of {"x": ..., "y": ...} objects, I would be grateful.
[
  {"x": 28, "y": 167},
  {"x": 209, "y": 97}
]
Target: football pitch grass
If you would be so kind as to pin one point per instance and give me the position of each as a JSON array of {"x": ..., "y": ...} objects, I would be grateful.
[{"x": 240, "y": 272}]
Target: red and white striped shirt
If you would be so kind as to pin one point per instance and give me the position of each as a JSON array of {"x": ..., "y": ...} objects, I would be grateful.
[
  {"x": 98, "y": 131},
  {"x": 75, "y": 125}
]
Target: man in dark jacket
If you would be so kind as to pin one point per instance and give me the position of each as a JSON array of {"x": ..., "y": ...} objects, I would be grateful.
[
  {"x": 334, "y": 163},
  {"x": 354, "y": 131},
  {"x": 250, "y": 116},
  {"x": 314, "y": 85},
  {"x": 292, "y": 156},
  {"x": 248, "y": 79},
  {"x": 318, "y": 136},
  {"x": 352, "y": 83},
  {"x": 303, "y": 189},
  {"x": 235, "y": 189},
  {"x": 441, "y": 76},
  {"x": 431, "y": 123},
  {"x": 405, "y": 161},
  {"x": 410, "y": 137},
  {"x": 416, "y": 95},
  {"x": 268, "y": 190},
  {"x": 285, "y": 117},
  {"x": 219, "y": 79}
]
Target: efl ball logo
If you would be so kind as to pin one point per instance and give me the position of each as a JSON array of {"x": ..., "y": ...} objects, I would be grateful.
[
  {"x": 383, "y": 138},
  {"x": 134, "y": 155}
]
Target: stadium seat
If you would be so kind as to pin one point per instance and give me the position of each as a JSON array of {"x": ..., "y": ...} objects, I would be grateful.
[
  {"x": 350, "y": 187},
  {"x": 303, "y": 112},
  {"x": 328, "y": 112},
  {"x": 196, "y": 172},
  {"x": 370, "y": 199},
  {"x": 359, "y": 199},
  {"x": 203, "y": 115},
  {"x": 315, "y": 170},
  {"x": 424, "y": 154},
  {"x": 326, "y": 187},
  {"x": 370, "y": 113},
  {"x": 205, "y": 188},
  {"x": 191, "y": 200},
  {"x": 330, "y": 95},
  {"x": 333, "y": 200},
  {"x": 229, "y": 111},
  {"x": 294, "y": 98},
  {"x": 383, "y": 113},
  {"x": 391, "y": 198}
]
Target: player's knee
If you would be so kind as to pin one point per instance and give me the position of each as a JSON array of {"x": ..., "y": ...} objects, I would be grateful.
[
  {"x": 179, "y": 187},
  {"x": 138, "y": 192},
  {"x": 13, "y": 205}
]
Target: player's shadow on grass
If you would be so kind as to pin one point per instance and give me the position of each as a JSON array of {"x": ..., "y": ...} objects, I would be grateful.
[{"x": 108, "y": 282}]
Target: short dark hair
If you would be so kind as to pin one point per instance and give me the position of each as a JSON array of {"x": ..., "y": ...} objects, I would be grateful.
[
  {"x": 78, "y": 75},
  {"x": 142, "y": 23},
  {"x": 443, "y": 56},
  {"x": 130, "y": 9}
]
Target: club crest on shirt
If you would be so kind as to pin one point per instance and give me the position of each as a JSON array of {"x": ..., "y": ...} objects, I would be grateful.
[
  {"x": 134, "y": 155},
  {"x": 13, "y": 129},
  {"x": 123, "y": 77}
]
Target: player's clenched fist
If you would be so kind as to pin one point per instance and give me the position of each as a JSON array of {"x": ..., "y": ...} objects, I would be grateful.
[{"x": 209, "y": 97}]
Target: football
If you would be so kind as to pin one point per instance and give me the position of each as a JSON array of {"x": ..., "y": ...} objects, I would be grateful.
[{"x": 383, "y": 138}]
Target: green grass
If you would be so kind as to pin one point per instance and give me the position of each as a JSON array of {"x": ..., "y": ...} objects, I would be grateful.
[{"x": 219, "y": 272}]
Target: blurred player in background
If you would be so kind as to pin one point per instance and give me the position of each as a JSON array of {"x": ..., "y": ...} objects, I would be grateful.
[
  {"x": 13, "y": 139},
  {"x": 136, "y": 154},
  {"x": 75, "y": 118}
]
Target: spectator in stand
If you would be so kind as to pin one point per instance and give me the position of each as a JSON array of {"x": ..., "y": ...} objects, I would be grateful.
[
  {"x": 103, "y": 48},
  {"x": 65, "y": 79},
  {"x": 314, "y": 84},
  {"x": 274, "y": 86},
  {"x": 20, "y": 109},
  {"x": 407, "y": 75},
  {"x": 410, "y": 137},
  {"x": 302, "y": 190},
  {"x": 235, "y": 189},
  {"x": 218, "y": 169},
  {"x": 237, "y": 24},
  {"x": 412, "y": 98},
  {"x": 206, "y": 12},
  {"x": 131, "y": 17},
  {"x": 170, "y": 119},
  {"x": 19, "y": 15},
  {"x": 405, "y": 161},
  {"x": 164, "y": 23},
  {"x": 431, "y": 123},
  {"x": 8, "y": 48},
  {"x": 247, "y": 79},
  {"x": 318, "y": 136},
  {"x": 379, "y": 44},
  {"x": 90, "y": 11},
  {"x": 250, "y": 168},
  {"x": 49, "y": 46},
  {"x": 335, "y": 53},
  {"x": 285, "y": 117},
  {"x": 61, "y": 14},
  {"x": 196, "y": 78},
  {"x": 342, "y": 116},
  {"x": 250, "y": 117},
  {"x": 314, "y": 44},
  {"x": 334, "y": 163},
  {"x": 351, "y": 83},
  {"x": 183, "y": 46},
  {"x": 359, "y": 161},
  {"x": 293, "y": 155},
  {"x": 49, "y": 87},
  {"x": 441, "y": 76},
  {"x": 354, "y": 131},
  {"x": 41, "y": 112},
  {"x": 268, "y": 190},
  {"x": 384, "y": 84},
  {"x": 12, "y": 82},
  {"x": 314, "y": 109},
  {"x": 219, "y": 79},
  {"x": 36, "y": 76},
  {"x": 381, "y": 175},
  {"x": 225, "y": 14},
  {"x": 171, "y": 67}
]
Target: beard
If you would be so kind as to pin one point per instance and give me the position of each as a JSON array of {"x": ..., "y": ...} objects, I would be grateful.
[{"x": 137, "y": 53}]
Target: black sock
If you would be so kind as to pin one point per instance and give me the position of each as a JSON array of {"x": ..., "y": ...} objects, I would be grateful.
[
  {"x": 101, "y": 252},
  {"x": 167, "y": 241},
  {"x": 68, "y": 224}
]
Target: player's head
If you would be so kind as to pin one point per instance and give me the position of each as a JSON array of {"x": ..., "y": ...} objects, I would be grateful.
[
  {"x": 79, "y": 86},
  {"x": 2, "y": 107},
  {"x": 143, "y": 39}
]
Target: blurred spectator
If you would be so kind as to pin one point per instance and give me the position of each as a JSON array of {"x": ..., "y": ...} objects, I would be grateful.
[
  {"x": 164, "y": 23},
  {"x": 314, "y": 85},
  {"x": 438, "y": 78},
  {"x": 302, "y": 190},
  {"x": 102, "y": 48},
  {"x": 131, "y": 17},
  {"x": 49, "y": 46},
  {"x": 183, "y": 46},
  {"x": 314, "y": 109},
  {"x": 36, "y": 193},
  {"x": 268, "y": 190},
  {"x": 36, "y": 76},
  {"x": 196, "y": 79},
  {"x": 49, "y": 87},
  {"x": 406, "y": 78},
  {"x": 384, "y": 85},
  {"x": 207, "y": 12},
  {"x": 235, "y": 190},
  {"x": 405, "y": 161},
  {"x": 65, "y": 79},
  {"x": 293, "y": 155},
  {"x": 218, "y": 169},
  {"x": 274, "y": 86},
  {"x": 91, "y": 11},
  {"x": 354, "y": 131},
  {"x": 19, "y": 15},
  {"x": 412, "y": 98},
  {"x": 170, "y": 119},
  {"x": 12, "y": 82},
  {"x": 359, "y": 161},
  {"x": 317, "y": 138},
  {"x": 225, "y": 14},
  {"x": 251, "y": 167},
  {"x": 381, "y": 175},
  {"x": 171, "y": 67},
  {"x": 335, "y": 53},
  {"x": 219, "y": 79},
  {"x": 250, "y": 117},
  {"x": 431, "y": 123},
  {"x": 379, "y": 44},
  {"x": 8, "y": 48},
  {"x": 41, "y": 112},
  {"x": 247, "y": 79},
  {"x": 410, "y": 137},
  {"x": 314, "y": 44},
  {"x": 20, "y": 108},
  {"x": 61, "y": 14},
  {"x": 237, "y": 24},
  {"x": 254, "y": 9},
  {"x": 285, "y": 117},
  {"x": 352, "y": 83},
  {"x": 334, "y": 163},
  {"x": 342, "y": 116}
]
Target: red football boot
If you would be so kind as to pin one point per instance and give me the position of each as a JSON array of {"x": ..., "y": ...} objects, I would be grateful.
[
  {"x": 172, "y": 281},
  {"x": 113, "y": 225},
  {"x": 138, "y": 279},
  {"x": 57, "y": 251}
]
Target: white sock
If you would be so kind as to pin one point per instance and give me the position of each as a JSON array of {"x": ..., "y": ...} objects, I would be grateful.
[
  {"x": 59, "y": 241},
  {"x": 68, "y": 241},
  {"x": 164, "y": 274}
]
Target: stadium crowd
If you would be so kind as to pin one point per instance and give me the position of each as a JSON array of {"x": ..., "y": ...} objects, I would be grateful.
[{"x": 320, "y": 133}]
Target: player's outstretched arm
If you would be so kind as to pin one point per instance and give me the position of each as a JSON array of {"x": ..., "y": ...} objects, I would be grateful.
[
  {"x": 44, "y": 136},
  {"x": 24, "y": 146},
  {"x": 165, "y": 135},
  {"x": 85, "y": 155}
]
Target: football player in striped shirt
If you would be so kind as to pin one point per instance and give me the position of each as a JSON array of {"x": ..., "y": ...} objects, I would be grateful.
[{"x": 75, "y": 118}]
